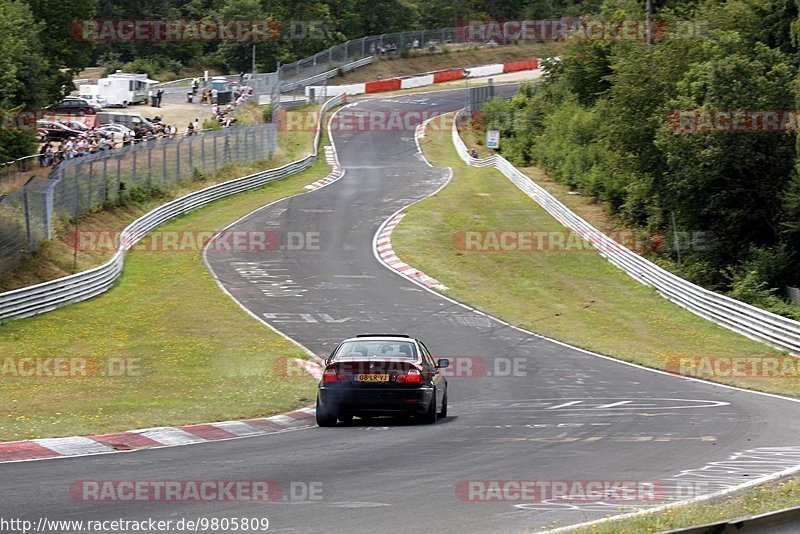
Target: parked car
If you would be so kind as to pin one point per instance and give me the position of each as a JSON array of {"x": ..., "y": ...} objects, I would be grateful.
[
  {"x": 94, "y": 99},
  {"x": 74, "y": 106},
  {"x": 117, "y": 132},
  {"x": 55, "y": 131},
  {"x": 76, "y": 125},
  {"x": 132, "y": 121}
]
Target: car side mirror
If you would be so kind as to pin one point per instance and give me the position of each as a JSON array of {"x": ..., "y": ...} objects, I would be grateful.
[{"x": 442, "y": 363}]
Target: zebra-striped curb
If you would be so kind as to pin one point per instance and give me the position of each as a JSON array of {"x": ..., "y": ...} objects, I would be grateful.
[
  {"x": 383, "y": 246},
  {"x": 335, "y": 174},
  {"x": 39, "y": 449}
]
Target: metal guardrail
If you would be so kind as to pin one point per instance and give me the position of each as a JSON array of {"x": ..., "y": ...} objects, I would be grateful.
[
  {"x": 787, "y": 520},
  {"x": 291, "y": 86},
  {"x": 755, "y": 323},
  {"x": 47, "y": 296}
]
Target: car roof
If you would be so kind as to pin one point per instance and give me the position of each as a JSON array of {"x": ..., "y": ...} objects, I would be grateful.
[{"x": 381, "y": 337}]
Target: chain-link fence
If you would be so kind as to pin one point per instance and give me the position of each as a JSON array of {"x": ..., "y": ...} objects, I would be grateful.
[
  {"x": 79, "y": 185},
  {"x": 14, "y": 173},
  {"x": 390, "y": 43}
]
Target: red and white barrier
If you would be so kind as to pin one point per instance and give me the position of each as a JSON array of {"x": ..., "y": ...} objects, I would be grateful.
[
  {"x": 423, "y": 80},
  {"x": 516, "y": 66},
  {"x": 448, "y": 75},
  {"x": 383, "y": 85},
  {"x": 486, "y": 70},
  {"x": 416, "y": 81},
  {"x": 322, "y": 91}
]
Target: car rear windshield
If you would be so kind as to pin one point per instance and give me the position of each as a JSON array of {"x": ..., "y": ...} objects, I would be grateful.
[{"x": 386, "y": 349}]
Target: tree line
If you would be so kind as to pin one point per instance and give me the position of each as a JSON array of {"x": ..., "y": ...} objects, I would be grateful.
[
  {"x": 694, "y": 134},
  {"x": 40, "y": 54}
]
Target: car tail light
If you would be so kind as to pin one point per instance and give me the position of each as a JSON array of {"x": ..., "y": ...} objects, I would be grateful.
[
  {"x": 330, "y": 375},
  {"x": 413, "y": 376}
]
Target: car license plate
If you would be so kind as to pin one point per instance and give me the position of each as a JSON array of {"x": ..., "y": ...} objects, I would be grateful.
[{"x": 372, "y": 378}]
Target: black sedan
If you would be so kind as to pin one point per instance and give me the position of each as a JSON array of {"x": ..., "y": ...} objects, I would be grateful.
[
  {"x": 55, "y": 131},
  {"x": 381, "y": 374}
]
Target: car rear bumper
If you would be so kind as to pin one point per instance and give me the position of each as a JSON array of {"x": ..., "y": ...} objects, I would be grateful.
[{"x": 371, "y": 400}]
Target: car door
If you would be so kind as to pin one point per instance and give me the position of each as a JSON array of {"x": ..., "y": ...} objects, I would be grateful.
[{"x": 439, "y": 381}]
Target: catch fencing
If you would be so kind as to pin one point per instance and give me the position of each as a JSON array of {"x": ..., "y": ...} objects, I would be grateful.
[
  {"x": 753, "y": 322},
  {"x": 77, "y": 186},
  {"x": 54, "y": 294}
]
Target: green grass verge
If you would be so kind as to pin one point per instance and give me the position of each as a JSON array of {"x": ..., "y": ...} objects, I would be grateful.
[
  {"x": 766, "y": 498},
  {"x": 198, "y": 356},
  {"x": 573, "y": 295}
]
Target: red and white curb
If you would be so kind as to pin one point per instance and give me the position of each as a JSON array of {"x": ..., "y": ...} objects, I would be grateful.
[
  {"x": 336, "y": 173},
  {"x": 383, "y": 246},
  {"x": 147, "y": 438}
]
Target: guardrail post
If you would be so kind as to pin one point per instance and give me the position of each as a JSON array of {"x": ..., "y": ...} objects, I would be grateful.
[
  {"x": 91, "y": 185},
  {"x": 105, "y": 179},
  {"x": 149, "y": 166},
  {"x": 226, "y": 148},
  {"x": 27, "y": 216},
  {"x": 164, "y": 164},
  {"x": 77, "y": 196},
  {"x": 215, "y": 154},
  {"x": 48, "y": 211},
  {"x": 119, "y": 177}
]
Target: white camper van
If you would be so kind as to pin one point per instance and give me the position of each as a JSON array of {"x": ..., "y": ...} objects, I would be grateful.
[
  {"x": 91, "y": 93},
  {"x": 122, "y": 89}
]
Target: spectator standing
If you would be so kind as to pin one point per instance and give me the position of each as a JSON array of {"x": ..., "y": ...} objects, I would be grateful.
[
  {"x": 150, "y": 97},
  {"x": 43, "y": 155},
  {"x": 159, "y": 94},
  {"x": 214, "y": 96},
  {"x": 196, "y": 126}
]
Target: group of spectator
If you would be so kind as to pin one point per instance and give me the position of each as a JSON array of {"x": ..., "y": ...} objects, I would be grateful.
[
  {"x": 391, "y": 48},
  {"x": 52, "y": 153},
  {"x": 73, "y": 147}
]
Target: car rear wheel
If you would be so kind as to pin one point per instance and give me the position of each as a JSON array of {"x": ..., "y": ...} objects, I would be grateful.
[
  {"x": 324, "y": 417},
  {"x": 430, "y": 416}
]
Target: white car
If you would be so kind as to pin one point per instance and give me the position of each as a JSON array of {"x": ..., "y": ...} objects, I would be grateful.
[
  {"x": 96, "y": 100},
  {"x": 116, "y": 131}
]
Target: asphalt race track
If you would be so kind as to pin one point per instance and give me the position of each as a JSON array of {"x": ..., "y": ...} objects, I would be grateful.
[{"x": 566, "y": 415}]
